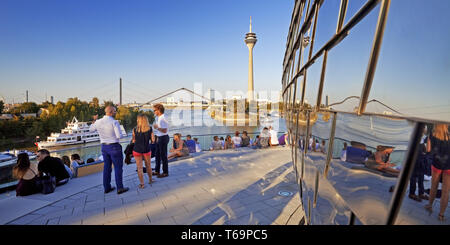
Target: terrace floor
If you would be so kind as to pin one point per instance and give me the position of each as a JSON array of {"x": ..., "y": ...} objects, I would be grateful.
[{"x": 238, "y": 186}]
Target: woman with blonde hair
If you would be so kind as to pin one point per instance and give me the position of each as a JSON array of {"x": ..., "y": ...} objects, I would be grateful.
[
  {"x": 439, "y": 146},
  {"x": 142, "y": 134}
]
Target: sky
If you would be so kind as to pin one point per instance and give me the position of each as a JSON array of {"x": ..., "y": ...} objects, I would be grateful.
[{"x": 81, "y": 49}]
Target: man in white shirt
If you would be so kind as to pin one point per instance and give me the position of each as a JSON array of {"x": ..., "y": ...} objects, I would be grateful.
[
  {"x": 110, "y": 134},
  {"x": 161, "y": 130}
]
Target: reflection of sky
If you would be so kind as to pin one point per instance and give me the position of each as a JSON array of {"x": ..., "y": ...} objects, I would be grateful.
[
  {"x": 157, "y": 46},
  {"x": 414, "y": 67}
]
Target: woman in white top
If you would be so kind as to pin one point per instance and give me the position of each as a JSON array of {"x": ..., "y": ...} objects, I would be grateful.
[
  {"x": 236, "y": 139},
  {"x": 273, "y": 137}
]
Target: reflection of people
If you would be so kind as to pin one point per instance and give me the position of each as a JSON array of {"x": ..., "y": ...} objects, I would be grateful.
[
  {"x": 322, "y": 147},
  {"x": 418, "y": 175},
  {"x": 381, "y": 160},
  {"x": 439, "y": 146},
  {"x": 179, "y": 148},
  {"x": 344, "y": 152}
]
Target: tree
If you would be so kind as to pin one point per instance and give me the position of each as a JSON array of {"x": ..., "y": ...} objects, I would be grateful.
[{"x": 2, "y": 106}]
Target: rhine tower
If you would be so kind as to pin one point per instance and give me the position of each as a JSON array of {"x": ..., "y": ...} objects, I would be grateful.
[{"x": 250, "y": 41}]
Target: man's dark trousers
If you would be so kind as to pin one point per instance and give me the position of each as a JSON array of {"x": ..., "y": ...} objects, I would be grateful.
[{"x": 161, "y": 154}]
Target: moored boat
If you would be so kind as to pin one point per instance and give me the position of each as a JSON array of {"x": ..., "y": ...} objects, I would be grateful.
[{"x": 75, "y": 133}]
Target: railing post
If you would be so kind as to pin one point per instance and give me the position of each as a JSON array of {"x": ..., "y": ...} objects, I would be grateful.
[
  {"x": 378, "y": 39},
  {"x": 403, "y": 179},
  {"x": 330, "y": 146}
]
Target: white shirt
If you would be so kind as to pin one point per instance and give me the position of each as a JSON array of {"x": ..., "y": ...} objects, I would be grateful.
[
  {"x": 108, "y": 129},
  {"x": 236, "y": 140},
  {"x": 162, "y": 123},
  {"x": 273, "y": 137}
]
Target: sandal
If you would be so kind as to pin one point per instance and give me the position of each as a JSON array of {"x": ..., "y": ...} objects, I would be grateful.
[
  {"x": 151, "y": 182},
  {"x": 441, "y": 217},
  {"x": 429, "y": 208},
  {"x": 141, "y": 186}
]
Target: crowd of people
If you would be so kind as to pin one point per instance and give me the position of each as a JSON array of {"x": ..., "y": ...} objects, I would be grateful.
[
  {"x": 433, "y": 158},
  {"x": 267, "y": 138}
]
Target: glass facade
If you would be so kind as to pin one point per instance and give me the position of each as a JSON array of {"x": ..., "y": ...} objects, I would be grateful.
[{"x": 357, "y": 167}]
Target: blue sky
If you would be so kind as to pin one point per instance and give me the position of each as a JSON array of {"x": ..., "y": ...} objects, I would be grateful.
[{"x": 81, "y": 48}]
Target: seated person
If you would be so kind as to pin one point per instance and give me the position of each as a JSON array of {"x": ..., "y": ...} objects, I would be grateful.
[
  {"x": 66, "y": 161},
  {"x": 26, "y": 172},
  {"x": 317, "y": 146},
  {"x": 90, "y": 160},
  {"x": 229, "y": 144},
  {"x": 356, "y": 155},
  {"x": 255, "y": 142},
  {"x": 264, "y": 138},
  {"x": 344, "y": 152},
  {"x": 190, "y": 144},
  {"x": 282, "y": 140},
  {"x": 381, "y": 160},
  {"x": 179, "y": 147},
  {"x": 222, "y": 140},
  {"x": 322, "y": 147},
  {"x": 245, "y": 140},
  {"x": 76, "y": 161},
  {"x": 198, "y": 148},
  {"x": 216, "y": 144},
  {"x": 236, "y": 139},
  {"x": 52, "y": 166},
  {"x": 273, "y": 137}
]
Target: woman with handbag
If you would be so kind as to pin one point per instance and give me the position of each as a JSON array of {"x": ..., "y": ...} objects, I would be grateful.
[
  {"x": 26, "y": 172},
  {"x": 142, "y": 134}
]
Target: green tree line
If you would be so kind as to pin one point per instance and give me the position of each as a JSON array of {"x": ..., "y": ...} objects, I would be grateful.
[{"x": 54, "y": 117}]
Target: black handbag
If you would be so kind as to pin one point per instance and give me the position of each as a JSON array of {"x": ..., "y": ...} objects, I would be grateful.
[{"x": 46, "y": 184}]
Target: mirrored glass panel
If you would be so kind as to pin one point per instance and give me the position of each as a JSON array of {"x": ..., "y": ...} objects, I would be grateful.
[
  {"x": 368, "y": 154},
  {"x": 327, "y": 206},
  {"x": 426, "y": 198}
]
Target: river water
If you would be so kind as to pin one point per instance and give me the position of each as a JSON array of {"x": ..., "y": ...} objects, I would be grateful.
[{"x": 196, "y": 123}]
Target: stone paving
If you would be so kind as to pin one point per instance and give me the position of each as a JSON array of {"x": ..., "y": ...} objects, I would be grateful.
[{"x": 232, "y": 187}]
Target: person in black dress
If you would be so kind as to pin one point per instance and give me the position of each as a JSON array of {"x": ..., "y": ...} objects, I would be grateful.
[
  {"x": 142, "y": 134},
  {"x": 438, "y": 144}
]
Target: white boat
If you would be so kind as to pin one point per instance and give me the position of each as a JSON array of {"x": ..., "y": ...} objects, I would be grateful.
[
  {"x": 10, "y": 157},
  {"x": 75, "y": 133}
]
